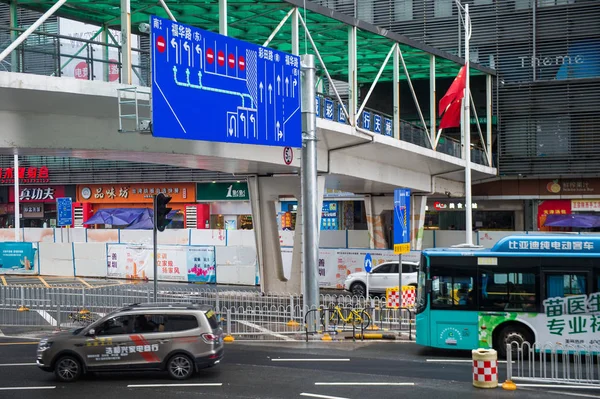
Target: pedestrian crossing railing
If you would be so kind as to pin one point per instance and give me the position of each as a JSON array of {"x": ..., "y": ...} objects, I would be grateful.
[
  {"x": 553, "y": 363},
  {"x": 244, "y": 314}
]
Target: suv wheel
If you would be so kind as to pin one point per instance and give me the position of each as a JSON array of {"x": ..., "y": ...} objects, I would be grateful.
[
  {"x": 358, "y": 289},
  {"x": 67, "y": 369},
  {"x": 180, "y": 367}
]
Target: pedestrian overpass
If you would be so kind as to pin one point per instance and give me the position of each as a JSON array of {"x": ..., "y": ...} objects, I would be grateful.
[{"x": 360, "y": 149}]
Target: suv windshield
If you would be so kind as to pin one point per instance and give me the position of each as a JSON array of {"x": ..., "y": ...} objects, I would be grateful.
[{"x": 421, "y": 302}]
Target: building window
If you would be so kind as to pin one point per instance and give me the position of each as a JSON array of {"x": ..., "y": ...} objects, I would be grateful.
[
  {"x": 483, "y": 2},
  {"x": 365, "y": 10},
  {"x": 548, "y": 3},
  {"x": 442, "y": 8},
  {"x": 403, "y": 10},
  {"x": 522, "y": 4}
]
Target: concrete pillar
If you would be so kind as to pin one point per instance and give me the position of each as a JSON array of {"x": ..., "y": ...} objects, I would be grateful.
[
  {"x": 417, "y": 222},
  {"x": 264, "y": 195},
  {"x": 374, "y": 207}
]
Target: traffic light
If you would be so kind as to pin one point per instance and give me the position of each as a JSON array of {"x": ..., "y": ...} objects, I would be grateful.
[{"x": 161, "y": 211}]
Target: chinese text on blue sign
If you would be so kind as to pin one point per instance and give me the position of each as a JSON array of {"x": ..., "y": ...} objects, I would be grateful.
[
  {"x": 566, "y": 244},
  {"x": 64, "y": 210},
  {"x": 210, "y": 87},
  {"x": 401, "y": 221}
]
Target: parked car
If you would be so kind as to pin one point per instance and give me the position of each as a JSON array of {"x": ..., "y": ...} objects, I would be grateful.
[
  {"x": 177, "y": 338},
  {"x": 382, "y": 276}
]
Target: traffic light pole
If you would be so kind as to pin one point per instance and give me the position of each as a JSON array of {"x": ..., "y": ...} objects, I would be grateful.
[{"x": 155, "y": 247}]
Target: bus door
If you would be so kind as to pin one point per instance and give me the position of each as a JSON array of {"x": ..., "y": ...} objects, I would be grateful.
[{"x": 454, "y": 316}]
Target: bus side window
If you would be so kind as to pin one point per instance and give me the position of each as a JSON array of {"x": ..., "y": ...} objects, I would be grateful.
[
  {"x": 563, "y": 285},
  {"x": 507, "y": 291}
]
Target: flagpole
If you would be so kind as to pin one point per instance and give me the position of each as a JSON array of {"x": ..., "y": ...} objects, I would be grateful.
[{"x": 466, "y": 125}]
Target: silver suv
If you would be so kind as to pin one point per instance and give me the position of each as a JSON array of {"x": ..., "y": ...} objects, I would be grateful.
[{"x": 178, "y": 338}]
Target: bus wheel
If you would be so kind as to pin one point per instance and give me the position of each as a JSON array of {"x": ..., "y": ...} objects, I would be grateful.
[{"x": 514, "y": 335}]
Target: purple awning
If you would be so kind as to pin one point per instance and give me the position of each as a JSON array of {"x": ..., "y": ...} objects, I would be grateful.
[{"x": 573, "y": 220}]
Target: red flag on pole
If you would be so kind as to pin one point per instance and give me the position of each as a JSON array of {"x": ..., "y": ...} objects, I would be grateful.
[
  {"x": 451, "y": 117},
  {"x": 455, "y": 92}
]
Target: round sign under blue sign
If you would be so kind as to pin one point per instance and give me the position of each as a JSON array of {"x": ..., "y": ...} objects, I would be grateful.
[{"x": 368, "y": 263}]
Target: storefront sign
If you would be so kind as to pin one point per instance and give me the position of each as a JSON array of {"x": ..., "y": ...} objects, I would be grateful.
[
  {"x": 33, "y": 211},
  {"x": 134, "y": 193},
  {"x": 552, "y": 207},
  {"x": 175, "y": 263},
  {"x": 222, "y": 192},
  {"x": 27, "y": 175},
  {"x": 37, "y": 193},
  {"x": 443, "y": 206},
  {"x": 569, "y": 187},
  {"x": 585, "y": 205}
]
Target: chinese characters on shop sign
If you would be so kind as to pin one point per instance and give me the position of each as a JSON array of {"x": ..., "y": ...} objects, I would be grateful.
[
  {"x": 33, "y": 194},
  {"x": 26, "y": 175},
  {"x": 123, "y": 192},
  {"x": 584, "y": 309}
]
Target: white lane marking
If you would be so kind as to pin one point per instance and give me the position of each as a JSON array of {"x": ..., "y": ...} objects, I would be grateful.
[
  {"x": 25, "y": 388},
  {"x": 366, "y": 383},
  {"x": 264, "y": 330},
  {"x": 210, "y": 384},
  {"x": 51, "y": 320},
  {"x": 314, "y": 395},
  {"x": 456, "y": 361},
  {"x": 1, "y": 333},
  {"x": 17, "y": 364},
  {"x": 310, "y": 360},
  {"x": 557, "y": 386}
]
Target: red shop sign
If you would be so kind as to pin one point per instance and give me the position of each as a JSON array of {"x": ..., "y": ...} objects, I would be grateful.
[{"x": 27, "y": 175}]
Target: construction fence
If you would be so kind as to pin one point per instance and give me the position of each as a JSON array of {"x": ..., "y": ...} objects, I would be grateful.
[{"x": 244, "y": 314}]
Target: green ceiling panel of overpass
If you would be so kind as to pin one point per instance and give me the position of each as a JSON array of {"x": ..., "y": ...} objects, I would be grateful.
[{"x": 254, "y": 21}]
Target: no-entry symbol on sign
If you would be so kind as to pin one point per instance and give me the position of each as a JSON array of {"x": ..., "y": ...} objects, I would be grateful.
[{"x": 288, "y": 155}]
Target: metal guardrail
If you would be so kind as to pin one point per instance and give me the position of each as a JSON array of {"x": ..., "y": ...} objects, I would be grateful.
[
  {"x": 551, "y": 363},
  {"x": 245, "y": 314}
]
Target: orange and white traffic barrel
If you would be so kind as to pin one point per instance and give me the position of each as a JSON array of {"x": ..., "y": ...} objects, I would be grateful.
[{"x": 485, "y": 368}]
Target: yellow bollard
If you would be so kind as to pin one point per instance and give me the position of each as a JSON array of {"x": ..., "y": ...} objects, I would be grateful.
[
  {"x": 326, "y": 337},
  {"x": 508, "y": 385},
  {"x": 228, "y": 338},
  {"x": 485, "y": 368}
]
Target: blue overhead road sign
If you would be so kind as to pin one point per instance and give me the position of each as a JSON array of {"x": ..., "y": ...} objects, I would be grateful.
[{"x": 210, "y": 87}]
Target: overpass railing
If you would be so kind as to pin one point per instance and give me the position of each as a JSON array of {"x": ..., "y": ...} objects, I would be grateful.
[{"x": 51, "y": 54}]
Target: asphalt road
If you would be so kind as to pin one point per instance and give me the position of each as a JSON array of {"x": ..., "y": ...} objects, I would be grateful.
[{"x": 274, "y": 370}]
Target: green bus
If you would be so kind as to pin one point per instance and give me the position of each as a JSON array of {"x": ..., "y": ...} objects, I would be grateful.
[{"x": 527, "y": 288}]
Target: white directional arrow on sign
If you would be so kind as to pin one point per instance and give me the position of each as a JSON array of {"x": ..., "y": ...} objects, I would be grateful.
[
  {"x": 278, "y": 85},
  {"x": 199, "y": 52},
  {"x": 232, "y": 126},
  {"x": 287, "y": 86},
  {"x": 253, "y": 121},
  {"x": 261, "y": 87},
  {"x": 294, "y": 87},
  {"x": 270, "y": 92},
  {"x": 176, "y": 45},
  {"x": 243, "y": 119},
  {"x": 279, "y": 133},
  {"x": 186, "y": 46}
]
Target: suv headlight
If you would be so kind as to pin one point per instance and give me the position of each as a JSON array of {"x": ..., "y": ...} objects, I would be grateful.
[{"x": 44, "y": 345}]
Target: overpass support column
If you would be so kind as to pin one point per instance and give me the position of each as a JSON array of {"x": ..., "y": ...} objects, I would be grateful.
[
  {"x": 374, "y": 207},
  {"x": 417, "y": 222},
  {"x": 275, "y": 276}
]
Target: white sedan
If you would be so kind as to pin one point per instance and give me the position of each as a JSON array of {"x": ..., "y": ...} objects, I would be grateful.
[{"x": 382, "y": 276}]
